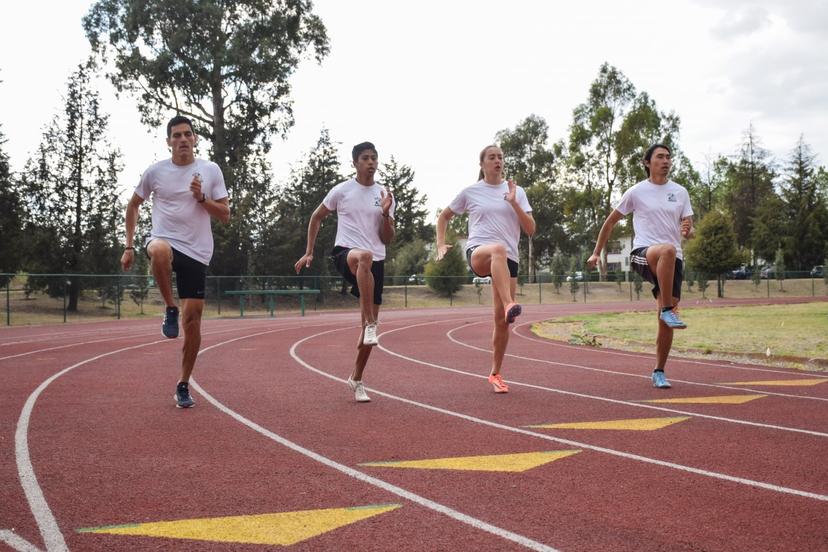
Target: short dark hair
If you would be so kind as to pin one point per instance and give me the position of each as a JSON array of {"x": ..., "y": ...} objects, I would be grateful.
[
  {"x": 178, "y": 120},
  {"x": 359, "y": 148},
  {"x": 649, "y": 155}
]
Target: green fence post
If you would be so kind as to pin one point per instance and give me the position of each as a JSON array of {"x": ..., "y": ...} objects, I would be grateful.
[
  {"x": 405, "y": 293},
  {"x": 8, "y": 303},
  {"x": 118, "y": 297},
  {"x": 540, "y": 293},
  {"x": 65, "y": 287},
  {"x": 218, "y": 294}
]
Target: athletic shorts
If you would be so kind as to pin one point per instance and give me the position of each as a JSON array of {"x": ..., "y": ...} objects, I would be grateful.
[
  {"x": 638, "y": 261},
  {"x": 190, "y": 275},
  {"x": 340, "y": 260},
  {"x": 513, "y": 266}
]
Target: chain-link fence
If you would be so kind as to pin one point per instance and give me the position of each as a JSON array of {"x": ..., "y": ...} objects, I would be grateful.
[{"x": 50, "y": 298}]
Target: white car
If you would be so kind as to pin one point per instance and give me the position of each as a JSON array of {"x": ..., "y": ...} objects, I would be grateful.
[
  {"x": 477, "y": 280},
  {"x": 579, "y": 277}
]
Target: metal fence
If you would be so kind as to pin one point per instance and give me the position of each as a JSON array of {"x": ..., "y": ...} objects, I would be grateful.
[{"x": 50, "y": 298}]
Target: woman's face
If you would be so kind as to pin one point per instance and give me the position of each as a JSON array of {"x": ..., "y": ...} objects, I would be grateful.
[{"x": 492, "y": 163}]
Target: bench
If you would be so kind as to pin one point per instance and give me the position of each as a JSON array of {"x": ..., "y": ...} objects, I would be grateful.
[{"x": 271, "y": 295}]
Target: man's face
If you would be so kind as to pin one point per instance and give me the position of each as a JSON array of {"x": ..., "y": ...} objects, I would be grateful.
[
  {"x": 181, "y": 140},
  {"x": 366, "y": 162},
  {"x": 660, "y": 163}
]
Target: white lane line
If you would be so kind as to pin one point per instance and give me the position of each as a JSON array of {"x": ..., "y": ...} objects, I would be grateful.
[
  {"x": 46, "y": 522},
  {"x": 78, "y": 344},
  {"x": 361, "y": 476},
  {"x": 553, "y": 343},
  {"x": 627, "y": 374},
  {"x": 592, "y": 397},
  {"x": 16, "y": 542},
  {"x": 45, "y": 519}
]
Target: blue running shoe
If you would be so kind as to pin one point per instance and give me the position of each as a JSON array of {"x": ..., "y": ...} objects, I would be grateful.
[
  {"x": 672, "y": 320},
  {"x": 182, "y": 396},
  {"x": 170, "y": 326},
  {"x": 660, "y": 381}
]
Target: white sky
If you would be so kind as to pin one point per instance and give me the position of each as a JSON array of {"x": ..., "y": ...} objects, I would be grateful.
[{"x": 431, "y": 82}]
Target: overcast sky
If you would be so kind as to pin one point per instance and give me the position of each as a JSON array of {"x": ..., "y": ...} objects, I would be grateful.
[{"x": 431, "y": 82}]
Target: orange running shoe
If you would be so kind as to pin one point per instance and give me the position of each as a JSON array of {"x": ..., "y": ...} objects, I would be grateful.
[
  {"x": 497, "y": 382},
  {"x": 513, "y": 310}
]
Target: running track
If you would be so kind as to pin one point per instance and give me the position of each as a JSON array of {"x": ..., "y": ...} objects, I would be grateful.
[{"x": 90, "y": 438}]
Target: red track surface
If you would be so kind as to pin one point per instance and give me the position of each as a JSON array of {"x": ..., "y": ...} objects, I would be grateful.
[{"x": 90, "y": 436}]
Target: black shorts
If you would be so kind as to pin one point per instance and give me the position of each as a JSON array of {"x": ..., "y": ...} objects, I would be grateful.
[
  {"x": 638, "y": 261},
  {"x": 190, "y": 275},
  {"x": 513, "y": 266},
  {"x": 340, "y": 260}
]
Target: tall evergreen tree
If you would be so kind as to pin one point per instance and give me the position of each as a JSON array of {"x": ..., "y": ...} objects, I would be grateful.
[
  {"x": 284, "y": 241},
  {"x": 749, "y": 180},
  {"x": 411, "y": 213},
  {"x": 73, "y": 207},
  {"x": 11, "y": 218},
  {"x": 805, "y": 209}
]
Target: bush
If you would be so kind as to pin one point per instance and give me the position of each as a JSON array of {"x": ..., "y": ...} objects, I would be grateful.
[{"x": 445, "y": 276}]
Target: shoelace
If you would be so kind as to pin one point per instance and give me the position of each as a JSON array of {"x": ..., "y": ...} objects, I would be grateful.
[{"x": 497, "y": 380}]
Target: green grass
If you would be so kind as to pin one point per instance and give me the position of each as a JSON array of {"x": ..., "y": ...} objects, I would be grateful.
[{"x": 790, "y": 335}]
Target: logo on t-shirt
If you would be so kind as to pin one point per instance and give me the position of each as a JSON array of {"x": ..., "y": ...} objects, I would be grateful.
[
  {"x": 377, "y": 201},
  {"x": 671, "y": 197}
]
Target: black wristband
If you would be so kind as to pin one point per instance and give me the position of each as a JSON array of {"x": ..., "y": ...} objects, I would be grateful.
[
  {"x": 129, "y": 247},
  {"x": 203, "y": 198}
]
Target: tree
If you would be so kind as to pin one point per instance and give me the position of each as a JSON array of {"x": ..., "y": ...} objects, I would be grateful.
[
  {"x": 74, "y": 211},
  {"x": 410, "y": 258},
  {"x": 749, "y": 181},
  {"x": 225, "y": 64},
  {"x": 607, "y": 138},
  {"x": 11, "y": 219},
  {"x": 558, "y": 269},
  {"x": 445, "y": 276},
  {"x": 805, "y": 209},
  {"x": 530, "y": 162},
  {"x": 713, "y": 251},
  {"x": 285, "y": 238},
  {"x": 410, "y": 212}
]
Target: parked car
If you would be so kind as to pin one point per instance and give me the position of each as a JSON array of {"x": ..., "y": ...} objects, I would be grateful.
[
  {"x": 818, "y": 271},
  {"x": 477, "y": 280},
  {"x": 414, "y": 279},
  {"x": 579, "y": 277},
  {"x": 742, "y": 273},
  {"x": 768, "y": 273}
]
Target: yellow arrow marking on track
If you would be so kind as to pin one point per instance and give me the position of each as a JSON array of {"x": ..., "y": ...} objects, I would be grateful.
[
  {"x": 284, "y": 528},
  {"x": 782, "y": 383},
  {"x": 640, "y": 424},
  {"x": 519, "y": 462},
  {"x": 721, "y": 399}
]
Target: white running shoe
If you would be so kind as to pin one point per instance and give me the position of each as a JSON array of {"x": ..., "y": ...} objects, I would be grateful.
[
  {"x": 359, "y": 391},
  {"x": 369, "y": 337}
]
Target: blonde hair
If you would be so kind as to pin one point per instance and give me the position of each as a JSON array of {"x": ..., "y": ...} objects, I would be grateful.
[{"x": 482, "y": 155}]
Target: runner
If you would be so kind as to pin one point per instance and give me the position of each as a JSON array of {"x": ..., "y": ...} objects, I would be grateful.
[
  {"x": 662, "y": 216},
  {"x": 498, "y": 211}
]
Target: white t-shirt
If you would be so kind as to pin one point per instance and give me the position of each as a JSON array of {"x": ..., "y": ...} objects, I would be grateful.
[
  {"x": 657, "y": 212},
  {"x": 359, "y": 215},
  {"x": 176, "y": 215},
  {"x": 491, "y": 218}
]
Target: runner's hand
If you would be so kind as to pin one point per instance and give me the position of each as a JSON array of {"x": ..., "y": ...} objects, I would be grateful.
[
  {"x": 593, "y": 260},
  {"x": 442, "y": 250},
  {"x": 386, "y": 202},
  {"x": 127, "y": 258},
  {"x": 304, "y": 262},
  {"x": 512, "y": 193}
]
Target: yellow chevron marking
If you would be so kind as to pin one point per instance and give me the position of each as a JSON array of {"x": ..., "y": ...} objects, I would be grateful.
[
  {"x": 721, "y": 399},
  {"x": 519, "y": 462},
  {"x": 782, "y": 383},
  {"x": 639, "y": 424},
  {"x": 283, "y": 528}
]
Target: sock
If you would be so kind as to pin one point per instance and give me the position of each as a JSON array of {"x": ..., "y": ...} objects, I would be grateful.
[
  {"x": 659, "y": 370},
  {"x": 665, "y": 309}
]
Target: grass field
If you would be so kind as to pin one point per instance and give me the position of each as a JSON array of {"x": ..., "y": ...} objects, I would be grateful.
[{"x": 788, "y": 335}]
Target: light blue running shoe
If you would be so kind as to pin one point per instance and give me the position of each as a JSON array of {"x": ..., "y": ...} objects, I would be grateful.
[
  {"x": 672, "y": 320},
  {"x": 660, "y": 381}
]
